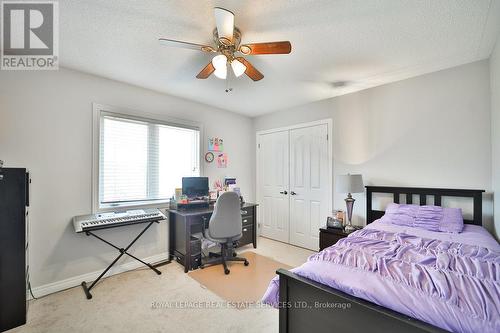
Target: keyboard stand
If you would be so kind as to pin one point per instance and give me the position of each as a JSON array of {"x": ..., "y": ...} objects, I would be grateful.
[{"x": 122, "y": 252}]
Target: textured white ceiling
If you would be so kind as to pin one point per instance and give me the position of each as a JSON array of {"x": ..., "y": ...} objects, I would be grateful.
[{"x": 363, "y": 43}]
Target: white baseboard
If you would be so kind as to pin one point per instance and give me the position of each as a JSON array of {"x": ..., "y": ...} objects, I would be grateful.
[{"x": 77, "y": 280}]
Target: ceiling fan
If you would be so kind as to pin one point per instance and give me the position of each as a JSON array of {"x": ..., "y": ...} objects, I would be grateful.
[{"x": 227, "y": 43}]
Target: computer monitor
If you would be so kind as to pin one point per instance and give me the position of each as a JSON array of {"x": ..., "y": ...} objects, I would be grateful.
[{"x": 195, "y": 186}]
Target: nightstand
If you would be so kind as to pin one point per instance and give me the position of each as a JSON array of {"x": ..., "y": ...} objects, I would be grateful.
[{"x": 330, "y": 236}]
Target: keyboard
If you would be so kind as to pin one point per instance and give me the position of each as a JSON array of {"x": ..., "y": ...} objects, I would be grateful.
[{"x": 116, "y": 219}]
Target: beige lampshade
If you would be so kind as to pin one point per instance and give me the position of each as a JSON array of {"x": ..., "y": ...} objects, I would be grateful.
[{"x": 349, "y": 184}]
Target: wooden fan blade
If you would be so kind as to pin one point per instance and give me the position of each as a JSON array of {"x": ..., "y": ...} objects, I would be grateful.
[
  {"x": 186, "y": 45},
  {"x": 266, "y": 48},
  {"x": 224, "y": 19},
  {"x": 206, "y": 72},
  {"x": 251, "y": 71}
]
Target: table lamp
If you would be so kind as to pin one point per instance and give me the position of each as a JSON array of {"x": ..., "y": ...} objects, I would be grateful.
[{"x": 349, "y": 184}]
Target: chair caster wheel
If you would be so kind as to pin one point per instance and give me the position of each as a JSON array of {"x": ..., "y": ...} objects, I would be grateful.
[
  {"x": 201, "y": 267},
  {"x": 246, "y": 263},
  {"x": 227, "y": 271},
  {"x": 234, "y": 254}
]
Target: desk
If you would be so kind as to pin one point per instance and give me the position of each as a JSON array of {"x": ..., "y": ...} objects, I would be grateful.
[{"x": 186, "y": 249}]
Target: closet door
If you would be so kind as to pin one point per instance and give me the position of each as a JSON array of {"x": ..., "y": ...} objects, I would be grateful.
[
  {"x": 273, "y": 185},
  {"x": 309, "y": 184}
]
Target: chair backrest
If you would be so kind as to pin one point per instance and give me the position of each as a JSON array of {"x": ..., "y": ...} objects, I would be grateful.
[{"x": 226, "y": 219}]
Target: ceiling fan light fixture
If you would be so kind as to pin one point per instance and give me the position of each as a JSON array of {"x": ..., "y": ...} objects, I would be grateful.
[
  {"x": 219, "y": 61},
  {"x": 224, "y": 21},
  {"x": 238, "y": 68},
  {"x": 221, "y": 72},
  {"x": 227, "y": 44}
]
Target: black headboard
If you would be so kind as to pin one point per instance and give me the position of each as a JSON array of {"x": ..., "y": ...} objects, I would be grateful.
[{"x": 438, "y": 193}]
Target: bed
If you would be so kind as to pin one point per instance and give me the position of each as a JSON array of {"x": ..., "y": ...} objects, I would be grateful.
[{"x": 327, "y": 295}]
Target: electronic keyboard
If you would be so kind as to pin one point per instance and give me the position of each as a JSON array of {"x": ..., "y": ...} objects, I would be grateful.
[{"x": 116, "y": 219}]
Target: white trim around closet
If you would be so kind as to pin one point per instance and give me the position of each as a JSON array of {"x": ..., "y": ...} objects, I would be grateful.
[{"x": 329, "y": 123}]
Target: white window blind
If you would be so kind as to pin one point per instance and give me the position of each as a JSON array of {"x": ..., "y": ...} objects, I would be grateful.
[{"x": 143, "y": 161}]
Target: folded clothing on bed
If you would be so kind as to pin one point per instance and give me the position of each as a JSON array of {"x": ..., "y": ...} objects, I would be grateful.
[
  {"x": 452, "y": 285},
  {"x": 432, "y": 218}
]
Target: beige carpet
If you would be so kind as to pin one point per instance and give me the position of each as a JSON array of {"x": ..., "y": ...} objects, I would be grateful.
[
  {"x": 245, "y": 284},
  {"x": 133, "y": 302}
]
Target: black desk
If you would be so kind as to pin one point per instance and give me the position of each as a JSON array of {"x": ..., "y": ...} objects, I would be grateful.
[{"x": 186, "y": 249}]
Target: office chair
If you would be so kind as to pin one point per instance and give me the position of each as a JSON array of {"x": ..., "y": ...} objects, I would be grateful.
[{"x": 225, "y": 228}]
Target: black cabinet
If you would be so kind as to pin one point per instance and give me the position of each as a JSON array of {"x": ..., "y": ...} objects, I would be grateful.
[
  {"x": 330, "y": 236},
  {"x": 183, "y": 224},
  {"x": 14, "y": 185}
]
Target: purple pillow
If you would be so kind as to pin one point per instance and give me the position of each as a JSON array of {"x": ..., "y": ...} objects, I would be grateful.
[
  {"x": 432, "y": 218},
  {"x": 400, "y": 214},
  {"x": 453, "y": 220},
  {"x": 428, "y": 218}
]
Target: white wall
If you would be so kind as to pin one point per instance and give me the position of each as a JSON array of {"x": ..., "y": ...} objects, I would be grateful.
[
  {"x": 433, "y": 130},
  {"x": 429, "y": 131},
  {"x": 495, "y": 130},
  {"x": 46, "y": 126}
]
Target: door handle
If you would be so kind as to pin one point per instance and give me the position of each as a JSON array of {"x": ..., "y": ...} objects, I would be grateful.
[
  {"x": 293, "y": 193},
  {"x": 284, "y": 192}
]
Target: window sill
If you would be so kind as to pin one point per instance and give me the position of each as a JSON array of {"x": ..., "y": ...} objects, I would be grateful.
[{"x": 160, "y": 204}]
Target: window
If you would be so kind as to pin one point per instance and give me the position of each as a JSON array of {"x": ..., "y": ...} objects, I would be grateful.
[{"x": 142, "y": 161}]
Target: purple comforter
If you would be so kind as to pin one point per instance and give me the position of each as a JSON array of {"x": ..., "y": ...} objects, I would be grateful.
[{"x": 451, "y": 284}]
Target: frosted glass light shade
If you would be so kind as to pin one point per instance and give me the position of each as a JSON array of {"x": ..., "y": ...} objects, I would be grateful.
[
  {"x": 221, "y": 73},
  {"x": 224, "y": 20},
  {"x": 219, "y": 61},
  {"x": 220, "y": 64},
  {"x": 238, "y": 68}
]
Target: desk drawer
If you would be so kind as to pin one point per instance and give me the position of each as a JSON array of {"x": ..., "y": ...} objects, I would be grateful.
[
  {"x": 247, "y": 236},
  {"x": 246, "y": 212},
  {"x": 247, "y": 221}
]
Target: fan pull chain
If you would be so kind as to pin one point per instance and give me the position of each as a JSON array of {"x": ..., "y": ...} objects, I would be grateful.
[{"x": 229, "y": 78}]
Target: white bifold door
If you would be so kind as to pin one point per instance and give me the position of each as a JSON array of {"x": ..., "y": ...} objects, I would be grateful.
[{"x": 294, "y": 180}]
